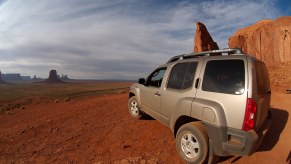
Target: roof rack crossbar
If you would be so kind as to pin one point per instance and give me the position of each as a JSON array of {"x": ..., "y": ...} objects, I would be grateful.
[
  {"x": 175, "y": 58},
  {"x": 226, "y": 50},
  {"x": 230, "y": 51}
]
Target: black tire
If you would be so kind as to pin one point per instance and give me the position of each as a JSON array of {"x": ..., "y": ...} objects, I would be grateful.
[
  {"x": 134, "y": 109},
  {"x": 192, "y": 142}
]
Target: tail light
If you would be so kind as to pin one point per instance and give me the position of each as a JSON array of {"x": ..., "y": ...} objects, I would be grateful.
[{"x": 250, "y": 114}]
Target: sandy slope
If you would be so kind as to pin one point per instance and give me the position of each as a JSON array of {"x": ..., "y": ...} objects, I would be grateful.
[{"x": 100, "y": 129}]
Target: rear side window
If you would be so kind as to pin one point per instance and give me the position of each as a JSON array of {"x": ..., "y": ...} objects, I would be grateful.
[
  {"x": 262, "y": 78},
  {"x": 182, "y": 76},
  {"x": 224, "y": 76}
]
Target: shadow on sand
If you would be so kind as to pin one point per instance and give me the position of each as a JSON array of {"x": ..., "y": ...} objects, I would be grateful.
[
  {"x": 279, "y": 120},
  {"x": 147, "y": 117}
]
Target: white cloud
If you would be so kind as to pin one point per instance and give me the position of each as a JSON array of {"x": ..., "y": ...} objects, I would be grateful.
[{"x": 107, "y": 39}]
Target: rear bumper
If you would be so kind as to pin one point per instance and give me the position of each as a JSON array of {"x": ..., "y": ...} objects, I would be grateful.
[{"x": 228, "y": 141}]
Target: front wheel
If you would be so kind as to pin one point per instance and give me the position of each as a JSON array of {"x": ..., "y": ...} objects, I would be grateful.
[
  {"x": 134, "y": 109},
  {"x": 192, "y": 142}
]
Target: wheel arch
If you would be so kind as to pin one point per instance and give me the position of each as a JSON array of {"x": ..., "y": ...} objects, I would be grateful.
[
  {"x": 135, "y": 91},
  {"x": 181, "y": 121},
  {"x": 130, "y": 94}
]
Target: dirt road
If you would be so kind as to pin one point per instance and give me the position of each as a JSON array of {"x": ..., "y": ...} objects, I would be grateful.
[{"x": 100, "y": 130}]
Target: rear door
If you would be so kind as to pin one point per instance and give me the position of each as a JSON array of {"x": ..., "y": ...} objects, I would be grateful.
[{"x": 179, "y": 90}]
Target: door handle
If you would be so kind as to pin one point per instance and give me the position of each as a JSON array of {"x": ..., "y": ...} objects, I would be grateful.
[{"x": 157, "y": 94}]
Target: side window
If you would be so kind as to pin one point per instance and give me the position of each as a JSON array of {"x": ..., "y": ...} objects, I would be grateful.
[
  {"x": 224, "y": 76},
  {"x": 156, "y": 78},
  {"x": 263, "y": 82},
  {"x": 182, "y": 76}
]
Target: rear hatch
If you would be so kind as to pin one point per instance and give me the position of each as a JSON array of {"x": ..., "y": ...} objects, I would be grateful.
[{"x": 263, "y": 94}]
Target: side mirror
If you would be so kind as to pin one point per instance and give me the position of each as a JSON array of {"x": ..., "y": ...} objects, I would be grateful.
[{"x": 141, "y": 81}]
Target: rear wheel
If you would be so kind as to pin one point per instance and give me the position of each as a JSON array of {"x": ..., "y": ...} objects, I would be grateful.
[
  {"x": 134, "y": 109},
  {"x": 192, "y": 142}
]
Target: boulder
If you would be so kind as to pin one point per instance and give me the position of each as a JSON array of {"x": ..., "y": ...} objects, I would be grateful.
[
  {"x": 203, "y": 40},
  {"x": 267, "y": 40}
]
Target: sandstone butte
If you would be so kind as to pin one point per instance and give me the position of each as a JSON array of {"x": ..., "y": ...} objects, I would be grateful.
[
  {"x": 53, "y": 77},
  {"x": 203, "y": 40},
  {"x": 267, "y": 40}
]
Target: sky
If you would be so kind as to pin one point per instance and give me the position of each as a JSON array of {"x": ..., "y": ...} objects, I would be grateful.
[{"x": 115, "y": 39}]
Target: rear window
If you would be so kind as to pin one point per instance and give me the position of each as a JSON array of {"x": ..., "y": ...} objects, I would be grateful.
[
  {"x": 224, "y": 76},
  {"x": 263, "y": 82}
]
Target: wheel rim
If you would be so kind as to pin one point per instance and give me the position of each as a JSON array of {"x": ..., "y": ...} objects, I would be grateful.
[
  {"x": 190, "y": 145},
  {"x": 134, "y": 108}
]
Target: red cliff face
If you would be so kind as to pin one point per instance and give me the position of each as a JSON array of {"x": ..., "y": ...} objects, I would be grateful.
[
  {"x": 268, "y": 40},
  {"x": 203, "y": 40}
]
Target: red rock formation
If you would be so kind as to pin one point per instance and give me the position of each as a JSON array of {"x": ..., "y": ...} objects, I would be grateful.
[
  {"x": 203, "y": 40},
  {"x": 53, "y": 77},
  {"x": 268, "y": 40}
]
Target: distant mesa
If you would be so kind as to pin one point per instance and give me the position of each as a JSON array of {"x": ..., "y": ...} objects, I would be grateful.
[
  {"x": 36, "y": 78},
  {"x": 17, "y": 78},
  {"x": 12, "y": 77},
  {"x": 53, "y": 78},
  {"x": 203, "y": 40},
  {"x": 267, "y": 40},
  {"x": 26, "y": 78},
  {"x": 65, "y": 77},
  {"x": 1, "y": 79}
]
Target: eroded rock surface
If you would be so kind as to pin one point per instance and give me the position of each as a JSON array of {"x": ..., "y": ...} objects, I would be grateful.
[
  {"x": 203, "y": 40},
  {"x": 268, "y": 40}
]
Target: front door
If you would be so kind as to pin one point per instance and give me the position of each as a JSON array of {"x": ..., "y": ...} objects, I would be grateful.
[{"x": 151, "y": 91}]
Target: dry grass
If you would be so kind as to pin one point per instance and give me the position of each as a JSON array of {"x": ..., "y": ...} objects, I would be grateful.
[
  {"x": 18, "y": 91},
  {"x": 17, "y": 96}
]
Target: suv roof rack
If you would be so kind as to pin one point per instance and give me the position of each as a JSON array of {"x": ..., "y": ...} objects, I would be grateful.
[{"x": 229, "y": 51}]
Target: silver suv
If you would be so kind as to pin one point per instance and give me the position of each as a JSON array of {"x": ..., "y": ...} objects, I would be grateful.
[{"x": 217, "y": 103}]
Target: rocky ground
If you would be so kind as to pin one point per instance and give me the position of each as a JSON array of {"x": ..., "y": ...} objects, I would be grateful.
[
  {"x": 100, "y": 130},
  {"x": 280, "y": 77}
]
